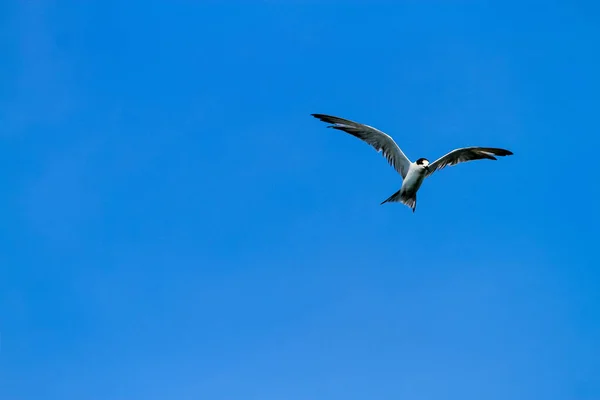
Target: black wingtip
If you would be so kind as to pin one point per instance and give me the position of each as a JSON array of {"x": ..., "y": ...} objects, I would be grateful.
[
  {"x": 503, "y": 152},
  {"x": 325, "y": 118}
]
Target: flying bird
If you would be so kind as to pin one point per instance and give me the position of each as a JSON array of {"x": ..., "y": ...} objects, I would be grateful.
[{"x": 412, "y": 173}]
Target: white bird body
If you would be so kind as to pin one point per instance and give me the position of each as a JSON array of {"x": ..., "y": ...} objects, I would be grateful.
[
  {"x": 410, "y": 186},
  {"x": 414, "y": 179},
  {"x": 413, "y": 173}
]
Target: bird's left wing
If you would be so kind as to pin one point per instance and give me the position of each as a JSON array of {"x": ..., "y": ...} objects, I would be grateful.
[
  {"x": 376, "y": 138},
  {"x": 466, "y": 154}
]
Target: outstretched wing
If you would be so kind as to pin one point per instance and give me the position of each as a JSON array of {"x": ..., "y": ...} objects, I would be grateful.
[
  {"x": 467, "y": 154},
  {"x": 379, "y": 140}
]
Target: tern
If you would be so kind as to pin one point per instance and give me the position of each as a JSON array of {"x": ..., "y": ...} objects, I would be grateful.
[{"x": 412, "y": 173}]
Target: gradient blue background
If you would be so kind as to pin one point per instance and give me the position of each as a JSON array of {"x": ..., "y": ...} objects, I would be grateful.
[{"x": 175, "y": 225}]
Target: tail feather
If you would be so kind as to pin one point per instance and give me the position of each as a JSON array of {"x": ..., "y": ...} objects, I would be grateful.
[{"x": 408, "y": 200}]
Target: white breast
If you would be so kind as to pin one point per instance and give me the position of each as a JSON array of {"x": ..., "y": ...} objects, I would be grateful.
[{"x": 414, "y": 179}]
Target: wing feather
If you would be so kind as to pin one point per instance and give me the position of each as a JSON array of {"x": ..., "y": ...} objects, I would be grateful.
[
  {"x": 374, "y": 137},
  {"x": 467, "y": 154}
]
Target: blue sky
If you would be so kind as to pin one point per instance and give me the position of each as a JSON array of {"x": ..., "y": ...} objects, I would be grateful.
[{"x": 176, "y": 225}]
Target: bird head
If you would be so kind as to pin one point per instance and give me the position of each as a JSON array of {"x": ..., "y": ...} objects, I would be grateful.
[{"x": 423, "y": 162}]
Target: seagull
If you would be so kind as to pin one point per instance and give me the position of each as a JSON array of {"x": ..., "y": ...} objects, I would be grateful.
[{"x": 412, "y": 173}]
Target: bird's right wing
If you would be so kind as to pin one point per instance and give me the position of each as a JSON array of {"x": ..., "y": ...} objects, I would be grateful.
[
  {"x": 376, "y": 138},
  {"x": 466, "y": 154}
]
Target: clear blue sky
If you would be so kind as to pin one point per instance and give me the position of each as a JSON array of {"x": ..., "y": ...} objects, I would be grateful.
[{"x": 175, "y": 225}]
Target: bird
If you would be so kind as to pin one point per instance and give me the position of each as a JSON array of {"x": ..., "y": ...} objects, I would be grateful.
[{"x": 413, "y": 173}]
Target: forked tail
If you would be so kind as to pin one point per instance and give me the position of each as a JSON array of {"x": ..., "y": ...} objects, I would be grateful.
[{"x": 404, "y": 198}]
